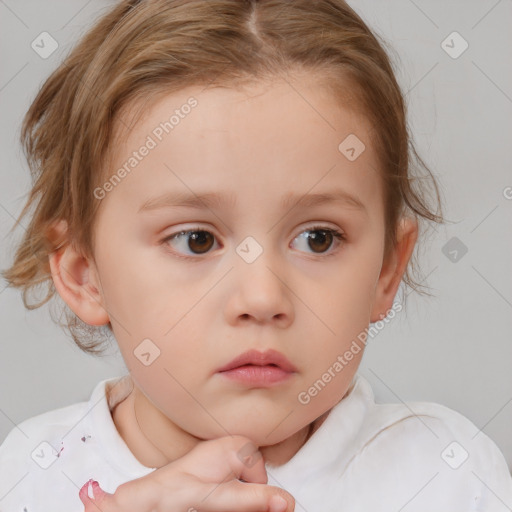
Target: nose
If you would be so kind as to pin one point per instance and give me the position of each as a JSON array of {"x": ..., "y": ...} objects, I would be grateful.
[{"x": 260, "y": 293}]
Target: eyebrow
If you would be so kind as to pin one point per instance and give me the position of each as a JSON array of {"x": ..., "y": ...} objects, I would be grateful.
[{"x": 209, "y": 200}]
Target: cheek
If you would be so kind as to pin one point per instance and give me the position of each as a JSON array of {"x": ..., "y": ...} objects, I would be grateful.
[
  {"x": 345, "y": 302},
  {"x": 167, "y": 390},
  {"x": 167, "y": 366},
  {"x": 138, "y": 296},
  {"x": 345, "y": 313},
  {"x": 152, "y": 314}
]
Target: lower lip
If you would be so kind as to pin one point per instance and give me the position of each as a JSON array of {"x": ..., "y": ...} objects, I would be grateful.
[{"x": 257, "y": 375}]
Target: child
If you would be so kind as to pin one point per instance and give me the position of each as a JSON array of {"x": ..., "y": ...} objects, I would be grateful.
[{"x": 260, "y": 129}]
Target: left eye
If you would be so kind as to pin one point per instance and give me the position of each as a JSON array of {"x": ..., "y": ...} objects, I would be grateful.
[
  {"x": 320, "y": 238},
  {"x": 200, "y": 241}
]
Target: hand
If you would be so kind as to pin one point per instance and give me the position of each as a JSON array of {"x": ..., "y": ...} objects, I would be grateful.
[{"x": 206, "y": 479}]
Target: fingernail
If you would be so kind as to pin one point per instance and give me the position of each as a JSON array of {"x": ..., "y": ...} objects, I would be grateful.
[
  {"x": 97, "y": 491},
  {"x": 83, "y": 494},
  {"x": 277, "y": 504},
  {"x": 92, "y": 490}
]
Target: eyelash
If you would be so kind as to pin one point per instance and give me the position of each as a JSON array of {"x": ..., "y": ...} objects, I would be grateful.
[{"x": 340, "y": 236}]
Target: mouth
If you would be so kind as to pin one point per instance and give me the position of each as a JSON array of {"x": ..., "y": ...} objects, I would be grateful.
[
  {"x": 257, "y": 375},
  {"x": 259, "y": 369}
]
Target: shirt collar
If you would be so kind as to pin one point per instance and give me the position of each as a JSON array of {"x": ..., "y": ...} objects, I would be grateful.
[
  {"x": 333, "y": 445},
  {"x": 105, "y": 396}
]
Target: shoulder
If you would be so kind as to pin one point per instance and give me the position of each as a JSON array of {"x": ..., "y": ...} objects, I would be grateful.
[
  {"x": 436, "y": 450},
  {"x": 36, "y": 435},
  {"x": 38, "y": 454},
  {"x": 428, "y": 427}
]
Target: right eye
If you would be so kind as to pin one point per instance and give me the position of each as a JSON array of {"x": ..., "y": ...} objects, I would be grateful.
[{"x": 197, "y": 240}]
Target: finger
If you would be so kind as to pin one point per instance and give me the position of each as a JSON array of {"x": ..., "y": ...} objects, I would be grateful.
[
  {"x": 216, "y": 459},
  {"x": 92, "y": 496},
  {"x": 246, "y": 460},
  {"x": 139, "y": 495},
  {"x": 238, "y": 496}
]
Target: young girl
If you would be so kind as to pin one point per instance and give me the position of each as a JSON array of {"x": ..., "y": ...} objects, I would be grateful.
[{"x": 274, "y": 133}]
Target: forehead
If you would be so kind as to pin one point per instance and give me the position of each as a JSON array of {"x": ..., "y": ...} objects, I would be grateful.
[{"x": 275, "y": 137}]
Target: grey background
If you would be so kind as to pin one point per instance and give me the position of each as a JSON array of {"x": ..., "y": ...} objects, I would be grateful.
[{"x": 453, "y": 349}]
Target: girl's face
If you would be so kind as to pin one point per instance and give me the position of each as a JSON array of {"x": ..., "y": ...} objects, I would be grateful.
[{"x": 243, "y": 274}]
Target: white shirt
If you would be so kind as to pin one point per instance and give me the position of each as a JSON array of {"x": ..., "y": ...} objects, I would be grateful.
[{"x": 365, "y": 457}]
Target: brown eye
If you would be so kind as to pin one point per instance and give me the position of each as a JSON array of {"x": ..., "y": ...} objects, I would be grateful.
[
  {"x": 191, "y": 242},
  {"x": 200, "y": 241},
  {"x": 195, "y": 242},
  {"x": 319, "y": 240}
]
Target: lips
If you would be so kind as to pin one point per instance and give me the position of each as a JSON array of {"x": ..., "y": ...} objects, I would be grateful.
[{"x": 254, "y": 357}]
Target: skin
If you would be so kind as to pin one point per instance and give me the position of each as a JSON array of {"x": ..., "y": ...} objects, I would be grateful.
[{"x": 259, "y": 143}]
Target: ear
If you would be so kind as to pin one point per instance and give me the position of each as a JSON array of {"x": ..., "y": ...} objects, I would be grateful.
[
  {"x": 394, "y": 268},
  {"x": 76, "y": 279}
]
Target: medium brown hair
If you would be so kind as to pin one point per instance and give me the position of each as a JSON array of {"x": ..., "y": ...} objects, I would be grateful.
[{"x": 149, "y": 48}]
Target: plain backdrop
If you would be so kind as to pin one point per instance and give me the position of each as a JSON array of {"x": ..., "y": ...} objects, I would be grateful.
[{"x": 454, "y": 348}]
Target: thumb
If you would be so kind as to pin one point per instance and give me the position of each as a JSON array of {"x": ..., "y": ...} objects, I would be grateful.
[{"x": 91, "y": 495}]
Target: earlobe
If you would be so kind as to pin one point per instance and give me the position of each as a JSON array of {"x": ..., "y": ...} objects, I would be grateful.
[
  {"x": 393, "y": 270},
  {"x": 76, "y": 279}
]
